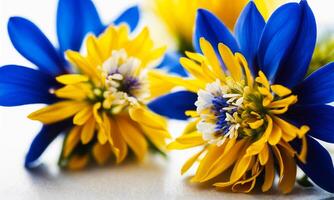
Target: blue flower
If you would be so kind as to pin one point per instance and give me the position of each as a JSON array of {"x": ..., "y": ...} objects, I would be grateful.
[
  {"x": 282, "y": 49},
  {"x": 21, "y": 85}
]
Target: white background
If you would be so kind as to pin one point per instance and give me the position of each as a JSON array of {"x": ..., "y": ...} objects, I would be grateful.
[{"x": 152, "y": 179}]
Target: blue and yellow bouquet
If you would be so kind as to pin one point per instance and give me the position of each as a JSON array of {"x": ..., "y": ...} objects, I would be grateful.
[{"x": 239, "y": 77}]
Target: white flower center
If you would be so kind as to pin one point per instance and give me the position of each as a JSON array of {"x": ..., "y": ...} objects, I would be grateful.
[
  {"x": 218, "y": 107},
  {"x": 124, "y": 80}
]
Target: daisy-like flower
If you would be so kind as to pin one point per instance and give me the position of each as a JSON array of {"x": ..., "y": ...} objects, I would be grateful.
[
  {"x": 21, "y": 85},
  {"x": 106, "y": 100},
  {"x": 252, "y": 110}
]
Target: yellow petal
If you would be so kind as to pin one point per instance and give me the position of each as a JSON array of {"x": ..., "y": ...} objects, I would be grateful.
[
  {"x": 229, "y": 145},
  {"x": 190, "y": 138},
  {"x": 81, "y": 117},
  {"x": 269, "y": 174},
  {"x": 289, "y": 177},
  {"x": 243, "y": 62},
  {"x": 190, "y": 162},
  {"x": 118, "y": 144},
  {"x": 57, "y": 112},
  {"x": 101, "y": 153},
  {"x": 146, "y": 117},
  {"x": 195, "y": 69},
  {"x": 279, "y": 159},
  {"x": 159, "y": 80},
  {"x": 191, "y": 113},
  {"x": 262, "y": 79},
  {"x": 275, "y": 135},
  {"x": 122, "y": 33},
  {"x": 104, "y": 130},
  {"x": 230, "y": 62},
  {"x": 195, "y": 56},
  {"x": 257, "y": 124},
  {"x": 179, "y": 146},
  {"x": 78, "y": 162},
  {"x": 93, "y": 51},
  {"x": 96, "y": 108},
  {"x": 206, "y": 163},
  {"x": 284, "y": 102},
  {"x": 191, "y": 127},
  {"x": 82, "y": 64},
  {"x": 137, "y": 42},
  {"x": 303, "y": 153},
  {"x": 154, "y": 55},
  {"x": 280, "y": 90},
  {"x": 101, "y": 135},
  {"x": 289, "y": 131},
  {"x": 133, "y": 136},
  {"x": 107, "y": 127},
  {"x": 73, "y": 92},
  {"x": 157, "y": 137},
  {"x": 247, "y": 185},
  {"x": 158, "y": 86},
  {"x": 240, "y": 167},
  {"x": 210, "y": 54},
  {"x": 107, "y": 40},
  {"x": 225, "y": 160},
  {"x": 287, "y": 148},
  {"x": 264, "y": 155},
  {"x": 88, "y": 130},
  {"x": 71, "y": 140},
  {"x": 257, "y": 146},
  {"x": 187, "y": 141},
  {"x": 71, "y": 78},
  {"x": 238, "y": 171}
]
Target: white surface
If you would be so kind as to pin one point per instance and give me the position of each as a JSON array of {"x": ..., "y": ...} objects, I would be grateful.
[{"x": 155, "y": 178}]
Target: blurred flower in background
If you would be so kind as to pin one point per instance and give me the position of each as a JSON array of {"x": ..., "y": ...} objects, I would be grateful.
[
  {"x": 179, "y": 17},
  {"x": 323, "y": 53}
]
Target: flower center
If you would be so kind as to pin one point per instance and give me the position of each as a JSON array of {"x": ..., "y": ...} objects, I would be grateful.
[
  {"x": 237, "y": 110},
  {"x": 123, "y": 82}
]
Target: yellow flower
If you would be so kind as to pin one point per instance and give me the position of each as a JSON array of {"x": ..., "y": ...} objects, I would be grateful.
[
  {"x": 179, "y": 15},
  {"x": 237, "y": 122},
  {"x": 106, "y": 100}
]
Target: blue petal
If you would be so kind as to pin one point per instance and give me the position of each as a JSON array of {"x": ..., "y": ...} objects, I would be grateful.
[
  {"x": 22, "y": 85},
  {"x": 295, "y": 66},
  {"x": 174, "y": 105},
  {"x": 33, "y": 45},
  {"x": 90, "y": 17},
  {"x": 171, "y": 64},
  {"x": 42, "y": 141},
  {"x": 130, "y": 16},
  {"x": 319, "y": 165},
  {"x": 319, "y": 118},
  {"x": 70, "y": 27},
  {"x": 318, "y": 87},
  {"x": 277, "y": 38},
  {"x": 212, "y": 29},
  {"x": 248, "y": 32}
]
